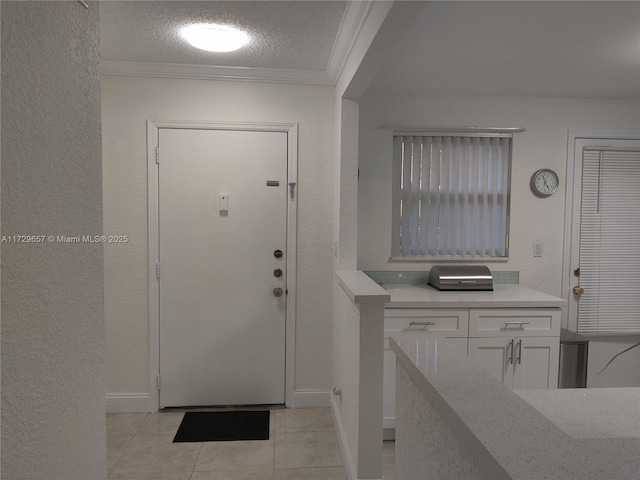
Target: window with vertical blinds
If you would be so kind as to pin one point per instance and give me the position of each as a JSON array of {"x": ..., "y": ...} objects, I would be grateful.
[
  {"x": 451, "y": 195},
  {"x": 610, "y": 242}
]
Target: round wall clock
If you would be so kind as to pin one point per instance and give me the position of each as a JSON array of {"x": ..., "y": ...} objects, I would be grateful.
[{"x": 544, "y": 182}]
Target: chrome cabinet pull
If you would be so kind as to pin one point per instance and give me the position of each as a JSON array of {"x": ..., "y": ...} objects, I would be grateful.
[
  {"x": 510, "y": 347},
  {"x": 512, "y": 322},
  {"x": 519, "y": 359},
  {"x": 423, "y": 324}
]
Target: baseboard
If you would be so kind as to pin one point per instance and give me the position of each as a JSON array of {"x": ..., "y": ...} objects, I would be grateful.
[
  {"x": 141, "y": 402},
  {"x": 349, "y": 466},
  {"x": 128, "y": 402},
  {"x": 311, "y": 398}
]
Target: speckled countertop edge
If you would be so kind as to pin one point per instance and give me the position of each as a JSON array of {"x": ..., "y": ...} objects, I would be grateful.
[{"x": 524, "y": 442}]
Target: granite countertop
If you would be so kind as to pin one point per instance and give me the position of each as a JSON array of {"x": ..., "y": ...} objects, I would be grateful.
[
  {"x": 527, "y": 442},
  {"x": 502, "y": 296}
]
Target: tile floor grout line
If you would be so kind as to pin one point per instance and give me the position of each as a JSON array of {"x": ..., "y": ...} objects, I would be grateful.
[
  {"x": 127, "y": 445},
  {"x": 275, "y": 425},
  {"x": 196, "y": 462}
]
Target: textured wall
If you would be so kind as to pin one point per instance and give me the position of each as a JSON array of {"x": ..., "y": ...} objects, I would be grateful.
[
  {"x": 53, "y": 420},
  {"x": 543, "y": 144},
  {"x": 127, "y": 103}
]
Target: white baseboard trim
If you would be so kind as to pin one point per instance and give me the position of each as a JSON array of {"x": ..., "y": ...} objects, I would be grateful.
[
  {"x": 128, "y": 402},
  {"x": 349, "y": 466},
  {"x": 311, "y": 398},
  {"x": 141, "y": 402}
]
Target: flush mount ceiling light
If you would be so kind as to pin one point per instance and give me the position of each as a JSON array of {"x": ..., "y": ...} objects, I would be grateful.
[{"x": 214, "y": 38}]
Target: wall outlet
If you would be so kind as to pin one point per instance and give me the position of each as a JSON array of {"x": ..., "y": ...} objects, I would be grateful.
[{"x": 537, "y": 249}]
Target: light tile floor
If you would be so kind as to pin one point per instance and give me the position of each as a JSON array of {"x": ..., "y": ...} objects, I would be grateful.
[{"x": 302, "y": 445}]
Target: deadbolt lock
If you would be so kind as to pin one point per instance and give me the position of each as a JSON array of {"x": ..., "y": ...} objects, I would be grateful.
[
  {"x": 578, "y": 290},
  {"x": 277, "y": 292},
  {"x": 277, "y": 273},
  {"x": 277, "y": 253},
  {"x": 576, "y": 272}
]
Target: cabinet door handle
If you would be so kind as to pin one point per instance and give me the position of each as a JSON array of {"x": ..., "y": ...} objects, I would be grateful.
[
  {"x": 510, "y": 347},
  {"x": 423, "y": 324},
  {"x": 519, "y": 359},
  {"x": 509, "y": 322}
]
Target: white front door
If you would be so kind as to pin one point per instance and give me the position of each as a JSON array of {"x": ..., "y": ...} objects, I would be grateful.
[{"x": 222, "y": 200}]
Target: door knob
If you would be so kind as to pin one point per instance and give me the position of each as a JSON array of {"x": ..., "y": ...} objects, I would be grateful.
[
  {"x": 578, "y": 290},
  {"x": 277, "y": 292},
  {"x": 277, "y": 273},
  {"x": 277, "y": 253}
]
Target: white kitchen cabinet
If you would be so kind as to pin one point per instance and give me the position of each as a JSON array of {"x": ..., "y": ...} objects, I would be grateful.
[
  {"x": 508, "y": 322},
  {"x": 519, "y": 362},
  {"x": 519, "y": 346},
  {"x": 451, "y": 324}
]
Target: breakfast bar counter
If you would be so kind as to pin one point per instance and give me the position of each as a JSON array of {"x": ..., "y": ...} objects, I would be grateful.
[{"x": 455, "y": 420}]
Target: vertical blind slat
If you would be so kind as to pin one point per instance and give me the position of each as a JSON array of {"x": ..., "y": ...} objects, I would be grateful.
[
  {"x": 396, "y": 193},
  {"x": 406, "y": 197},
  {"x": 416, "y": 197}
]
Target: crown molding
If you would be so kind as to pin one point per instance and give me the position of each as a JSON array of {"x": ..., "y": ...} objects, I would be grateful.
[
  {"x": 353, "y": 19},
  {"x": 212, "y": 72}
]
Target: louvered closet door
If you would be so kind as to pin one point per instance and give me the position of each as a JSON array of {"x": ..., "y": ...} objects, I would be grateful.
[{"x": 609, "y": 246}]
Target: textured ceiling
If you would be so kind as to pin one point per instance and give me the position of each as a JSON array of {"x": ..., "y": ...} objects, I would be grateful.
[
  {"x": 286, "y": 34},
  {"x": 520, "y": 48},
  {"x": 539, "y": 48}
]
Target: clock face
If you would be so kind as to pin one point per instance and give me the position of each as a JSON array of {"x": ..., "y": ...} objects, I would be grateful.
[{"x": 544, "y": 182}]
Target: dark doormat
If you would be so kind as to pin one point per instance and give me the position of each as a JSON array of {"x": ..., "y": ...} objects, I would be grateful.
[{"x": 223, "y": 426}]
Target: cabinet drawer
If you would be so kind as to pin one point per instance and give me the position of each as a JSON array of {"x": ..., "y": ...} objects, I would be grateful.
[
  {"x": 445, "y": 322},
  {"x": 519, "y": 322}
]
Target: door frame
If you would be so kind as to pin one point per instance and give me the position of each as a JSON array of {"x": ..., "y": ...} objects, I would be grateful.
[
  {"x": 153, "y": 127},
  {"x": 571, "y": 202}
]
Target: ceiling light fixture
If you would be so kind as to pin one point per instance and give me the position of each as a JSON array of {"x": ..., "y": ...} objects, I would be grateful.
[{"x": 214, "y": 38}]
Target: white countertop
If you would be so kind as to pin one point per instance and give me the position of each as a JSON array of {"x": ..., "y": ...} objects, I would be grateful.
[
  {"x": 503, "y": 296},
  {"x": 589, "y": 412},
  {"x": 360, "y": 288},
  {"x": 523, "y": 440}
]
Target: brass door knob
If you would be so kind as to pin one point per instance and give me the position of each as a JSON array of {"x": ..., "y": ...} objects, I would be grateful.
[
  {"x": 578, "y": 290},
  {"x": 277, "y": 292}
]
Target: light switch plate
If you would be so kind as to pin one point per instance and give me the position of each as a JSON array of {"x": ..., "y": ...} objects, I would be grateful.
[
  {"x": 537, "y": 249},
  {"x": 223, "y": 203}
]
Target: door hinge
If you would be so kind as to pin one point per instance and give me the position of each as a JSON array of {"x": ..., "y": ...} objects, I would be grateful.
[
  {"x": 158, "y": 155},
  {"x": 157, "y": 270},
  {"x": 158, "y": 381},
  {"x": 292, "y": 189}
]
